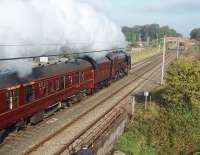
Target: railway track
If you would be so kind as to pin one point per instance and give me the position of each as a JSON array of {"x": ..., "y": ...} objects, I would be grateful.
[
  {"x": 108, "y": 117},
  {"x": 97, "y": 107},
  {"x": 94, "y": 134},
  {"x": 13, "y": 147},
  {"x": 117, "y": 109}
]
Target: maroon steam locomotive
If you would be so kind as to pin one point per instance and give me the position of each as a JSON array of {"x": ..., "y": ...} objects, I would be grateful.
[{"x": 53, "y": 86}]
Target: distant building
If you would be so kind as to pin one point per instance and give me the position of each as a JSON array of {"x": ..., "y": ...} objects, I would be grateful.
[{"x": 184, "y": 43}]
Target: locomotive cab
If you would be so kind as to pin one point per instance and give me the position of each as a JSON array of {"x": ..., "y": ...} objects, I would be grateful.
[
  {"x": 102, "y": 68},
  {"x": 119, "y": 64}
]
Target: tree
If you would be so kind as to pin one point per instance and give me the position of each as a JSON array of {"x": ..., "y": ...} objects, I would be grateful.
[
  {"x": 195, "y": 34},
  {"x": 146, "y": 32}
]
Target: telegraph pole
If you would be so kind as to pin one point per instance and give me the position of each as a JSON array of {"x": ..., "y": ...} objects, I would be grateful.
[
  {"x": 163, "y": 61},
  {"x": 178, "y": 46}
]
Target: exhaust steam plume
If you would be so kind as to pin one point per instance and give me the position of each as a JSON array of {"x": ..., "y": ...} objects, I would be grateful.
[{"x": 49, "y": 26}]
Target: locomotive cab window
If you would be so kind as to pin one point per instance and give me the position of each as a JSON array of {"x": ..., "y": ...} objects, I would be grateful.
[
  {"x": 12, "y": 99},
  {"x": 28, "y": 93}
]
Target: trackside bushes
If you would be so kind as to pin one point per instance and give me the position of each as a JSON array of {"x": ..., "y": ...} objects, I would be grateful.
[{"x": 171, "y": 126}]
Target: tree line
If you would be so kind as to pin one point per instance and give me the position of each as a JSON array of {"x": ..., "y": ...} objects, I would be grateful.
[
  {"x": 148, "y": 32},
  {"x": 195, "y": 34}
]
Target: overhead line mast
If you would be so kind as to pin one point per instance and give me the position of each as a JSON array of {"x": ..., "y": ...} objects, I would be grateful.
[{"x": 163, "y": 61}]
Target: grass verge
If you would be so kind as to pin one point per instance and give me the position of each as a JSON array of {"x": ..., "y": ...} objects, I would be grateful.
[{"x": 141, "y": 54}]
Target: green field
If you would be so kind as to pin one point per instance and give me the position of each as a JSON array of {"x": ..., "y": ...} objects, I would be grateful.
[{"x": 142, "y": 53}]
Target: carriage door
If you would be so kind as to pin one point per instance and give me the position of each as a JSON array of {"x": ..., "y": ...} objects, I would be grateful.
[
  {"x": 76, "y": 81},
  {"x": 28, "y": 93},
  {"x": 12, "y": 97},
  {"x": 3, "y": 106}
]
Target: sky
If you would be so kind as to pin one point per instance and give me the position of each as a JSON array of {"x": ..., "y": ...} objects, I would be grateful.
[{"x": 182, "y": 15}]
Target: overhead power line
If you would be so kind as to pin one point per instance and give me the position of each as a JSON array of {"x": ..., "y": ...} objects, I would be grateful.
[
  {"x": 62, "y": 54},
  {"x": 22, "y": 45},
  {"x": 58, "y": 44}
]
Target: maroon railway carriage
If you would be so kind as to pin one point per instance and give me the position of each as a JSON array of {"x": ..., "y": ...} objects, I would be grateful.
[
  {"x": 45, "y": 87},
  {"x": 26, "y": 100}
]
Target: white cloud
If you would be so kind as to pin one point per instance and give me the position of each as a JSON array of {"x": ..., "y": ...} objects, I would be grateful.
[{"x": 100, "y": 5}]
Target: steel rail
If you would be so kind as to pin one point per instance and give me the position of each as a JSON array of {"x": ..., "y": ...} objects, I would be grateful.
[{"x": 147, "y": 68}]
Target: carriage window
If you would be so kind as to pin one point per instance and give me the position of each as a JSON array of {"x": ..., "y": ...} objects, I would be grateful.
[
  {"x": 28, "y": 94},
  {"x": 51, "y": 86},
  {"x": 76, "y": 78},
  {"x": 87, "y": 75},
  {"x": 61, "y": 82},
  {"x": 57, "y": 84},
  {"x": 43, "y": 87},
  {"x": 68, "y": 81},
  {"x": 12, "y": 97},
  {"x": 82, "y": 76}
]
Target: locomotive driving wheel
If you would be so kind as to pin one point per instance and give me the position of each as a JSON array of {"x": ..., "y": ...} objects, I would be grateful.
[{"x": 126, "y": 71}]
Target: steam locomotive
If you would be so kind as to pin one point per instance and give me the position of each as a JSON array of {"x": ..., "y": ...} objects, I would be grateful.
[{"x": 51, "y": 87}]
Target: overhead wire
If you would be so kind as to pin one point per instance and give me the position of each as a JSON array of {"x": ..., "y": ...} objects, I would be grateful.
[{"x": 61, "y": 54}]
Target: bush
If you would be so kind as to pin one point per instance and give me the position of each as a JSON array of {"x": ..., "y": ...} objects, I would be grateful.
[
  {"x": 175, "y": 131},
  {"x": 174, "y": 128},
  {"x": 183, "y": 83},
  {"x": 171, "y": 132}
]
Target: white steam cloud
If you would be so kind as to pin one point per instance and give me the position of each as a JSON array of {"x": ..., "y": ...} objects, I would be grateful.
[{"x": 47, "y": 26}]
